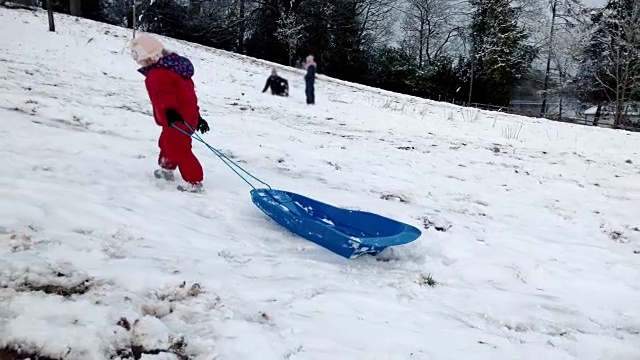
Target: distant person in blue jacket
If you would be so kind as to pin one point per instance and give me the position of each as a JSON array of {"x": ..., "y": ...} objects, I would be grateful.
[
  {"x": 279, "y": 86},
  {"x": 309, "y": 80}
]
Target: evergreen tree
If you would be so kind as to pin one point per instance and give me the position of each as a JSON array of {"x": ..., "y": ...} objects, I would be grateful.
[
  {"x": 346, "y": 58},
  {"x": 264, "y": 42},
  {"x": 500, "y": 55},
  {"x": 316, "y": 37},
  {"x": 391, "y": 69},
  {"x": 207, "y": 22}
]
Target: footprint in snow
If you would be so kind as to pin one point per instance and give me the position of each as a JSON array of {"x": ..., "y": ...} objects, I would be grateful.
[
  {"x": 436, "y": 222},
  {"x": 395, "y": 197}
]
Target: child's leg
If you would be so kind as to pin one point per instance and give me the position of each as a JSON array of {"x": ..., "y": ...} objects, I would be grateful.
[
  {"x": 163, "y": 160},
  {"x": 178, "y": 152},
  {"x": 312, "y": 92},
  {"x": 309, "y": 90}
]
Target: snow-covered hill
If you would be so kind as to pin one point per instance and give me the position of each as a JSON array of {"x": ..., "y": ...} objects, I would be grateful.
[{"x": 530, "y": 226}]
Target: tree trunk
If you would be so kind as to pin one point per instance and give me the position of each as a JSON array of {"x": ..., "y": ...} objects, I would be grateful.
[
  {"x": 134, "y": 22},
  {"x": 52, "y": 26},
  {"x": 130, "y": 21},
  {"x": 596, "y": 117},
  {"x": 543, "y": 109},
  {"x": 421, "y": 35},
  {"x": 75, "y": 7},
  {"x": 473, "y": 68},
  {"x": 618, "y": 117},
  {"x": 560, "y": 108},
  {"x": 290, "y": 54},
  {"x": 241, "y": 28}
]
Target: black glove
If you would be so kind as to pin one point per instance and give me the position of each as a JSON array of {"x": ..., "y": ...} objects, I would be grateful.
[
  {"x": 172, "y": 117},
  {"x": 203, "y": 127}
]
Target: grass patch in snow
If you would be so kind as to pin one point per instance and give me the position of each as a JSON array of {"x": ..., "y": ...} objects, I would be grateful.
[
  {"x": 427, "y": 280},
  {"x": 512, "y": 132},
  {"x": 49, "y": 281},
  {"x": 62, "y": 290},
  {"x": 470, "y": 115}
]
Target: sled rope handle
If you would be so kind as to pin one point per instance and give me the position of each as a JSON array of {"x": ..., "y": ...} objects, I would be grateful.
[{"x": 222, "y": 156}]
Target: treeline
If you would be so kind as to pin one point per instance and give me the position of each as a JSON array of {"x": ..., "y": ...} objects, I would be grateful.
[
  {"x": 413, "y": 47},
  {"x": 475, "y": 51}
]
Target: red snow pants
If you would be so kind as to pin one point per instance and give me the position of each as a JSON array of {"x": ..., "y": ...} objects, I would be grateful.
[{"x": 175, "y": 152}]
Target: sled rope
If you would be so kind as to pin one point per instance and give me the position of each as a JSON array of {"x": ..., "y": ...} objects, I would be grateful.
[{"x": 222, "y": 157}]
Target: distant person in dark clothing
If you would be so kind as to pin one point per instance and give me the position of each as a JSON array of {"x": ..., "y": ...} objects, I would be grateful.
[
  {"x": 279, "y": 86},
  {"x": 309, "y": 80}
]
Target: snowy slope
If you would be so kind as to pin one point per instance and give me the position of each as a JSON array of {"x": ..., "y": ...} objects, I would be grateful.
[{"x": 530, "y": 226}]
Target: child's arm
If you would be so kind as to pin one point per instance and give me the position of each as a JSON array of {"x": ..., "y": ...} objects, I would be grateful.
[
  {"x": 266, "y": 86},
  {"x": 162, "y": 91}
]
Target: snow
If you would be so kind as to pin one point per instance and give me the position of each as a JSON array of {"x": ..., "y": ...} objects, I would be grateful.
[
  {"x": 530, "y": 227},
  {"x": 591, "y": 111}
]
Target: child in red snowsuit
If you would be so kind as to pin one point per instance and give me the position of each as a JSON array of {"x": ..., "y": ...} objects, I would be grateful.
[{"x": 172, "y": 94}]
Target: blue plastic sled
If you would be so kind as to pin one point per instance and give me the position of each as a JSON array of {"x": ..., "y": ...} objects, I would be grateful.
[{"x": 349, "y": 233}]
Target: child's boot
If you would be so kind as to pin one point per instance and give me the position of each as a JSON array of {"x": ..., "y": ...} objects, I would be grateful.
[
  {"x": 192, "y": 188},
  {"x": 164, "y": 174}
]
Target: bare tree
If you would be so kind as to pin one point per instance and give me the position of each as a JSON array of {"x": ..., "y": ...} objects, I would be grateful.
[
  {"x": 621, "y": 75},
  {"x": 241, "y": 25},
  {"x": 375, "y": 19},
  {"x": 428, "y": 27},
  {"x": 532, "y": 15},
  {"x": 564, "y": 15},
  {"x": 134, "y": 23},
  {"x": 289, "y": 32},
  {"x": 565, "y": 63},
  {"x": 554, "y": 8}
]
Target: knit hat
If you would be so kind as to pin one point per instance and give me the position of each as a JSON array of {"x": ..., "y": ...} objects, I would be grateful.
[{"x": 145, "y": 47}]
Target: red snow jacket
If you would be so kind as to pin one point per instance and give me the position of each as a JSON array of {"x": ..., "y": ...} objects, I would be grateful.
[{"x": 169, "y": 85}]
